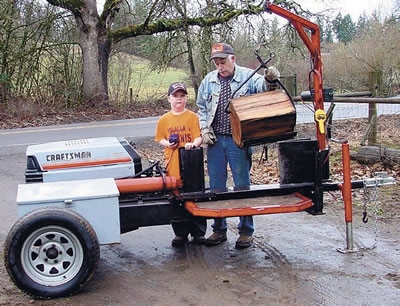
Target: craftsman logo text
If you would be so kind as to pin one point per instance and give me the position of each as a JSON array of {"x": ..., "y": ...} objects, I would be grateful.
[{"x": 68, "y": 156}]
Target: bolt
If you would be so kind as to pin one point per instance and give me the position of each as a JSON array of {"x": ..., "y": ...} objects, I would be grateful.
[
  {"x": 60, "y": 252},
  {"x": 46, "y": 259},
  {"x": 55, "y": 261},
  {"x": 44, "y": 250}
]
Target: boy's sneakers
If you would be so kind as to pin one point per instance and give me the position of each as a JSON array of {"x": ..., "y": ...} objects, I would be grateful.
[
  {"x": 244, "y": 242},
  {"x": 199, "y": 239},
  {"x": 215, "y": 239},
  {"x": 179, "y": 241}
]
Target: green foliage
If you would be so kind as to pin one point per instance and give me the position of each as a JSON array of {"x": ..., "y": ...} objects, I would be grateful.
[
  {"x": 132, "y": 80},
  {"x": 326, "y": 31},
  {"x": 344, "y": 28}
]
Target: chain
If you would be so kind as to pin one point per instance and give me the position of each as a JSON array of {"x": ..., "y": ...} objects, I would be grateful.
[
  {"x": 375, "y": 198},
  {"x": 368, "y": 197}
]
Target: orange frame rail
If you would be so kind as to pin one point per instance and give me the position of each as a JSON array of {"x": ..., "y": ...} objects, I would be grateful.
[{"x": 301, "y": 205}]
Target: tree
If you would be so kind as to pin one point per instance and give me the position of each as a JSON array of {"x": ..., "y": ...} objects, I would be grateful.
[
  {"x": 328, "y": 34},
  {"x": 344, "y": 28},
  {"x": 97, "y": 34},
  {"x": 375, "y": 49},
  {"x": 362, "y": 24},
  {"x": 33, "y": 53}
]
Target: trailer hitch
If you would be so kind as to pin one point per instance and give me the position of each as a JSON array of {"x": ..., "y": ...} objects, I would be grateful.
[{"x": 381, "y": 178}]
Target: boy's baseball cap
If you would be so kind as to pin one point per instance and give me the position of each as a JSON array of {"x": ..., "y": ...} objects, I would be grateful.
[
  {"x": 221, "y": 50},
  {"x": 174, "y": 87}
]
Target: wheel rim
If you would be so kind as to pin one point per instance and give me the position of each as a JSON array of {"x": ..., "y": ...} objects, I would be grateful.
[{"x": 52, "y": 256}]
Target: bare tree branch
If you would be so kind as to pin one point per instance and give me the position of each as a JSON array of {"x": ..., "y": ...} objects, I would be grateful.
[
  {"x": 74, "y": 6},
  {"x": 165, "y": 25}
]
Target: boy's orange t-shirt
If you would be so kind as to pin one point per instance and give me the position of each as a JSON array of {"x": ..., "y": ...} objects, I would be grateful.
[{"x": 187, "y": 126}]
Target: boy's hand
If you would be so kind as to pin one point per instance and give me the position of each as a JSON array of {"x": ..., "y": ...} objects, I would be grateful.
[
  {"x": 189, "y": 145},
  {"x": 173, "y": 145}
]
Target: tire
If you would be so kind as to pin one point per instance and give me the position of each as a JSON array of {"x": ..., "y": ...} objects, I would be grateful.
[{"x": 51, "y": 252}]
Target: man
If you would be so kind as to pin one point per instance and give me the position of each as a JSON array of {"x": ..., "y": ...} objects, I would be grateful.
[{"x": 214, "y": 93}]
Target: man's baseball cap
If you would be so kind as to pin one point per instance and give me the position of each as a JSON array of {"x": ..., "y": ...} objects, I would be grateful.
[
  {"x": 221, "y": 50},
  {"x": 174, "y": 87}
]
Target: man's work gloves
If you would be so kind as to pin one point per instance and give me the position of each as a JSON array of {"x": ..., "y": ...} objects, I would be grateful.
[
  {"x": 208, "y": 136},
  {"x": 271, "y": 74}
]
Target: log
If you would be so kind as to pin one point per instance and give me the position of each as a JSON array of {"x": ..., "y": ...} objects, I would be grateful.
[
  {"x": 262, "y": 118},
  {"x": 372, "y": 155}
]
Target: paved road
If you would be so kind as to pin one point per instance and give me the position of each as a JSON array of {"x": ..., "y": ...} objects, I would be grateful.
[{"x": 16, "y": 140}]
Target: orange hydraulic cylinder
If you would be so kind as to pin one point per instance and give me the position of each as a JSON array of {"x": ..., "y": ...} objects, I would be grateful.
[
  {"x": 147, "y": 184},
  {"x": 346, "y": 186}
]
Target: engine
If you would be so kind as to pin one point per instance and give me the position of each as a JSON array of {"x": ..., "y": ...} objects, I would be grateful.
[{"x": 82, "y": 159}]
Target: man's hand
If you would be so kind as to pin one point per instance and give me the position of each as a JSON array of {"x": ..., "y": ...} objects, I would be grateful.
[
  {"x": 271, "y": 74},
  {"x": 208, "y": 136}
]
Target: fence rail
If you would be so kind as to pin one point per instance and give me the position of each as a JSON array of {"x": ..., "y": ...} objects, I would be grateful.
[{"x": 364, "y": 104}]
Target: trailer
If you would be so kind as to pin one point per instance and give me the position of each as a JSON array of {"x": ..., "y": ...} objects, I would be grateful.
[{"x": 80, "y": 194}]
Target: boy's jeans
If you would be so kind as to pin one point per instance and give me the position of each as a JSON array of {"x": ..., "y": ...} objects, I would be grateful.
[{"x": 221, "y": 153}]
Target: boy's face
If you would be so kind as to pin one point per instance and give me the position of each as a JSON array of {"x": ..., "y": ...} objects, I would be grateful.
[{"x": 178, "y": 101}]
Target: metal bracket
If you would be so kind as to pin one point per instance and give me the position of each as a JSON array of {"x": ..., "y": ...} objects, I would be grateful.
[
  {"x": 381, "y": 179},
  {"x": 346, "y": 251}
]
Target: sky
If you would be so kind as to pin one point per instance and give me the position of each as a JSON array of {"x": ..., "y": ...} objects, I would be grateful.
[{"x": 353, "y": 7}]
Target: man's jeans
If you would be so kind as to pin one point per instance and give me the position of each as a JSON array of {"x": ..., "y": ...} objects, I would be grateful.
[{"x": 221, "y": 153}]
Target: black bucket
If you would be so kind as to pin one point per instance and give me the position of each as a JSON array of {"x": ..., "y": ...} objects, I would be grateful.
[
  {"x": 191, "y": 163},
  {"x": 297, "y": 161}
]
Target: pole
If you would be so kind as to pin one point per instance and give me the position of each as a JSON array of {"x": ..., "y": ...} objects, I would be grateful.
[
  {"x": 372, "y": 112},
  {"x": 346, "y": 194}
]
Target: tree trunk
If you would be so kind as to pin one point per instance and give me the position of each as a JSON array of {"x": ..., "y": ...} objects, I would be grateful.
[
  {"x": 191, "y": 63},
  {"x": 96, "y": 48},
  {"x": 97, "y": 35}
]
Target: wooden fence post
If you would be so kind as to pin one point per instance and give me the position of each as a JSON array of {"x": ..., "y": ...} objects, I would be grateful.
[
  {"x": 372, "y": 113},
  {"x": 290, "y": 84},
  {"x": 130, "y": 95}
]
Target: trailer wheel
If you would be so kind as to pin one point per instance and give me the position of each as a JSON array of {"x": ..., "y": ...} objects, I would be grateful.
[{"x": 51, "y": 252}]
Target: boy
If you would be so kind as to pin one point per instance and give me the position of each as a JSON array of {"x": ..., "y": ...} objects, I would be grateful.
[{"x": 180, "y": 128}]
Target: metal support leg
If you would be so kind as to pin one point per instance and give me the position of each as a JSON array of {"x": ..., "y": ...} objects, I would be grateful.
[{"x": 346, "y": 194}]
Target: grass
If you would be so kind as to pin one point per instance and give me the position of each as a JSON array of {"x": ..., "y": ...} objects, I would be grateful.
[{"x": 128, "y": 72}]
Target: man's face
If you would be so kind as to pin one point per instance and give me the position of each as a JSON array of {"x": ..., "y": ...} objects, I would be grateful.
[
  {"x": 225, "y": 66},
  {"x": 178, "y": 101}
]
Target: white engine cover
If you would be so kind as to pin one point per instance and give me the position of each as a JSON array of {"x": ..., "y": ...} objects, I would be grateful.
[{"x": 82, "y": 159}]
